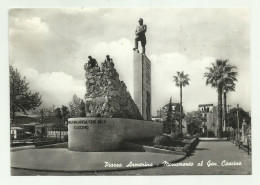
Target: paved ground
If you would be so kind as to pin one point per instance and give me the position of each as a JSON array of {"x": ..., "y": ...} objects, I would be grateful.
[
  {"x": 216, "y": 152},
  {"x": 62, "y": 159}
]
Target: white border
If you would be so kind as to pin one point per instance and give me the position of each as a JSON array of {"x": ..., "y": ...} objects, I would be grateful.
[{"x": 254, "y": 5}]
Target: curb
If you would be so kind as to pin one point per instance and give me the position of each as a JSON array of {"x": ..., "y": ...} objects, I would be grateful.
[
  {"x": 103, "y": 170},
  {"x": 23, "y": 148}
]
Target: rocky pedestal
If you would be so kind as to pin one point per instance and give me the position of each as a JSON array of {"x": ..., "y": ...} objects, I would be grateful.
[{"x": 106, "y": 95}]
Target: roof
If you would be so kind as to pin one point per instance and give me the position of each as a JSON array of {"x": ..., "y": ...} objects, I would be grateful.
[
  {"x": 26, "y": 115},
  {"x": 205, "y": 105},
  {"x": 31, "y": 124},
  {"x": 16, "y": 128}
]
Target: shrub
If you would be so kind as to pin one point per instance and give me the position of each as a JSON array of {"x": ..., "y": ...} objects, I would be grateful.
[
  {"x": 186, "y": 141},
  {"x": 174, "y": 136},
  {"x": 179, "y": 135},
  {"x": 65, "y": 139},
  {"x": 187, "y": 136},
  {"x": 210, "y": 133},
  {"x": 178, "y": 149},
  {"x": 186, "y": 147},
  {"x": 226, "y": 134},
  {"x": 172, "y": 148},
  {"x": 162, "y": 140},
  {"x": 160, "y": 146}
]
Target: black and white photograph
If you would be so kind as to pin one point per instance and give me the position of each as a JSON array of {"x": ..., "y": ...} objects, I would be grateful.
[
  {"x": 124, "y": 91},
  {"x": 129, "y": 92}
]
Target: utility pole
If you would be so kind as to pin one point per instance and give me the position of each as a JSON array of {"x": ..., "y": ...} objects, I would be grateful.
[
  {"x": 228, "y": 110},
  {"x": 237, "y": 122},
  {"x": 160, "y": 114}
]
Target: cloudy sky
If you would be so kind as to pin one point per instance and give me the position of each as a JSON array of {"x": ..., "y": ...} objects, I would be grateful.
[{"x": 50, "y": 48}]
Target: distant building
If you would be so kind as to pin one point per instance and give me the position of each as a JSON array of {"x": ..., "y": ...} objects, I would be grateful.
[
  {"x": 210, "y": 114},
  {"x": 57, "y": 134},
  {"x": 17, "y": 133},
  {"x": 37, "y": 129},
  {"x": 184, "y": 126},
  {"x": 31, "y": 127},
  {"x": 158, "y": 117}
]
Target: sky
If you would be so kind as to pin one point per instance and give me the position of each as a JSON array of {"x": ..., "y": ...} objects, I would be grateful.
[{"x": 51, "y": 46}]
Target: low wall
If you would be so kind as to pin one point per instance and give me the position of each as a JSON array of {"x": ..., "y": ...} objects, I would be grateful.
[
  {"x": 22, "y": 148},
  {"x": 143, "y": 148},
  {"x": 104, "y": 134},
  {"x": 56, "y": 145}
]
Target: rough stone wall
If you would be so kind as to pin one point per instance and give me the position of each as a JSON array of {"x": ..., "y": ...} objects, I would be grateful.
[{"x": 106, "y": 95}]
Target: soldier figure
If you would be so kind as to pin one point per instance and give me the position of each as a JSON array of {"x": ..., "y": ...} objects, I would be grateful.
[
  {"x": 109, "y": 61},
  {"x": 140, "y": 36},
  {"x": 92, "y": 62}
]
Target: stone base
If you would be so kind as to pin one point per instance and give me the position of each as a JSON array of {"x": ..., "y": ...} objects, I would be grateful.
[
  {"x": 142, "y": 85},
  {"x": 106, "y": 134}
]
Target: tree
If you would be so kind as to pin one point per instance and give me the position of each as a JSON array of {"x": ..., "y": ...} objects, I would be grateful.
[
  {"x": 242, "y": 114},
  {"x": 82, "y": 109},
  {"x": 59, "y": 116},
  {"x": 194, "y": 122},
  {"x": 76, "y": 107},
  {"x": 167, "y": 126},
  {"x": 65, "y": 113},
  {"x": 220, "y": 73},
  {"x": 21, "y": 97},
  {"x": 228, "y": 86},
  {"x": 181, "y": 80}
]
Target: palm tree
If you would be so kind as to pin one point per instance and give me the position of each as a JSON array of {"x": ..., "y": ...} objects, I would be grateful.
[
  {"x": 219, "y": 74},
  {"x": 181, "y": 80},
  {"x": 228, "y": 86}
]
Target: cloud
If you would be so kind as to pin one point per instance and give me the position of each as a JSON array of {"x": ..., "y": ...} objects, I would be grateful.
[
  {"x": 76, "y": 11},
  {"x": 165, "y": 66},
  {"x": 31, "y": 26},
  {"x": 56, "y": 88},
  {"x": 122, "y": 54},
  {"x": 56, "y": 42}
]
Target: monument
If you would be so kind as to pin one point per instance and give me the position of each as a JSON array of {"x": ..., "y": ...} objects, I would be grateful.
[
  {"x": 140, "y": 36},
  {"x": 142, "y": 84},
  {"x": 111, "y": 114},
  {"x": 142, "y": 74}
]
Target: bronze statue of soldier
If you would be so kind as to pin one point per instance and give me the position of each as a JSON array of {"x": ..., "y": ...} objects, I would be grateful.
[
  {"x": 92, "y": 62},
  {"x": 140, "y": 36}
]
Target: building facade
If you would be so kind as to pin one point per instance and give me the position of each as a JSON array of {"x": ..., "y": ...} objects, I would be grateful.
[
  {"x": 17, "y": 133},
  {"x": 210, "y": 114}
]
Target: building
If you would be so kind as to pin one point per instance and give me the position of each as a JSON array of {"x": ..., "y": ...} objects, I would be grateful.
[
  {"x": 37, "y": 129},
  {"x": 57, "y": 134},
  {"x": 158, "y": 117},
  {"x": 210, "y": 114},
  {"x": 32, "y": 127},
  {"x": 17, "y": 133}
]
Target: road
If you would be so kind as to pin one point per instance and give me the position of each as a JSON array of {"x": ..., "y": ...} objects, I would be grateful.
[{"x": 215, "y": 158}]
